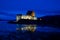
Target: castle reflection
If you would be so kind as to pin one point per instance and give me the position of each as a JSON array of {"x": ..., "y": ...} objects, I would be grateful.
[{"x": 26, "y": 27}]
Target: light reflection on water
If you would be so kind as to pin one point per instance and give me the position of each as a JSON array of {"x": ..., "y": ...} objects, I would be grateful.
[
  {"x": 4, "y": 26},
  {"x": 38, "y": 28},
  {"x": 27, "y": 27}
]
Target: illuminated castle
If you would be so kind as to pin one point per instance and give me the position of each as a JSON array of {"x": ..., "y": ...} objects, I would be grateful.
[{"x": 30, "y": 16}]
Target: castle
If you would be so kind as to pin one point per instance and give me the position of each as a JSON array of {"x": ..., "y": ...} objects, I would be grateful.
[{"x": 30, "y": 16}]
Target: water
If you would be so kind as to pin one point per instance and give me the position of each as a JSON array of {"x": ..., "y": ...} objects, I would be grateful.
[
  {"x": 4, "y": 26},
  {"x": 9, "y": 32}
]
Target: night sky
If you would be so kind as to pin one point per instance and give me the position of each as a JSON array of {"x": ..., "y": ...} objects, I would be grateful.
[
  {"x": 41, "y": 7},
  {"x": 20, "y": 5}
]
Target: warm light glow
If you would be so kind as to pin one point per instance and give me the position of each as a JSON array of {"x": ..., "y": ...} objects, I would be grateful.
[
  {"x": 30, "y": 17},
  {"x": 33, "y": 14}
]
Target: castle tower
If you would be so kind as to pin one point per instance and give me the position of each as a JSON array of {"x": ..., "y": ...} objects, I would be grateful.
[
  {"x": 31, "y": 13},
  {"x": 18, "y": 17}
]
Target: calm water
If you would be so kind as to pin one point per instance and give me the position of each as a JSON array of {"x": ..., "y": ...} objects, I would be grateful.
[
  {"x": 4, "y": 26},
  {"x": 9, "y": 32}
]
